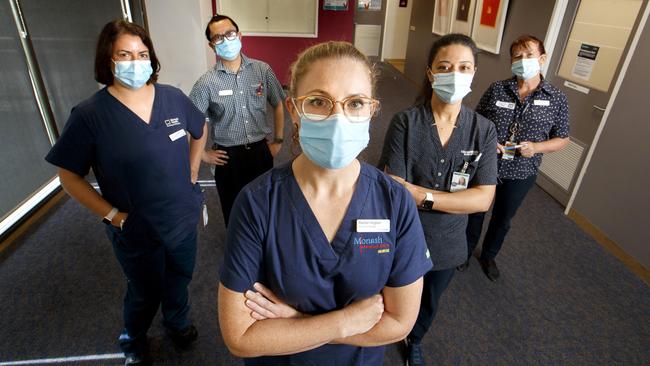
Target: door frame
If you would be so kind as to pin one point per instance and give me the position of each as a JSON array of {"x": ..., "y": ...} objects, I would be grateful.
[{"x": 610, "y": 103}]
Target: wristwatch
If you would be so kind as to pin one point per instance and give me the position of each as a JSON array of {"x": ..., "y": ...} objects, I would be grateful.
[
  {"x": 110, "y": 215},
  {"x": 427, "y": 204},
  {"x": 278, "y": 140}
]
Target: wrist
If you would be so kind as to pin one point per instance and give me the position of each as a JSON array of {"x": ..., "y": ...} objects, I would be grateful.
[{"x": 278, "y": 140}]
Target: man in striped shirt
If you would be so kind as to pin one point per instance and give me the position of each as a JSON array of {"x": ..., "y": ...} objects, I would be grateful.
[{"x": 234, "y": 95}]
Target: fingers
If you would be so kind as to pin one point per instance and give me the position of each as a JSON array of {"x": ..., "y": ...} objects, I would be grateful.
[
  {"x": 500, "y": 149},
  {"x": 266, "y": 292},
  {"x": 257, "y": 303}
]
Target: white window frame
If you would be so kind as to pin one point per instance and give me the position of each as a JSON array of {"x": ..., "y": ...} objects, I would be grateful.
[{"x": 313, "y": 34}]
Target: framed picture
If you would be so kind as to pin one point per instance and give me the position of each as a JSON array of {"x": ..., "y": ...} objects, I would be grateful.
[
  {"x": 339, "y": 5},
  {"x": 488, "y": 24},
  {"x": 372, "y": 5},
  {"x": 442, "y": 17},
  {"x": 463, "y": 16}
]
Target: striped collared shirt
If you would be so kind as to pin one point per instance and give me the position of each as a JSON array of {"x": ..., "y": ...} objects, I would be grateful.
[{"x": 235, "y": 103}]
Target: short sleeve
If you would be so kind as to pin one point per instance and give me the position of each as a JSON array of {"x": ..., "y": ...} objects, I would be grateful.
[
  {"x": 487, "y": 171},
  {"x": 243, "y": 258},
  {"x": 75, "y": 149},
  {"x": 412, "y": 259},
  {"x": 393, "y": 155},
  {"x": 275, "y": 94},
  {"x": 200, "y": 95},
  {"x": 195, "y": 118},
  {"x": 561, "y": 124}
]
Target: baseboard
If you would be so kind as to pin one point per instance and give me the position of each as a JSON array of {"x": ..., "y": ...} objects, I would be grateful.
[
  {"x": 10, "y": 241},
  {"x": 610, "y": 246}
]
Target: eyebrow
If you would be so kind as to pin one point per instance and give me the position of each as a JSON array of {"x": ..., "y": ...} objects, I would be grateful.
[
  {"x": 320, "y": 91},
  {"x": 461, "y": 62}
]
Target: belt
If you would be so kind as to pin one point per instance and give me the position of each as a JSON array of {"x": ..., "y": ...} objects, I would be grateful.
[{"x": 246, "y": 146}]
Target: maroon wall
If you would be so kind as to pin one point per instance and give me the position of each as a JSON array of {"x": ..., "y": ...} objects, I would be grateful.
[{"x": 280, "y": 52}]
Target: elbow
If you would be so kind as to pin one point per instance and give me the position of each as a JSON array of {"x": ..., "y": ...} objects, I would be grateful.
[
  {"x": 239, "y": 349},
  {"x": 485, "y": 206}
]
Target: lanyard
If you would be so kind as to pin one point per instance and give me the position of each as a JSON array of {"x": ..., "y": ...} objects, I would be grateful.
[{"x": 514, "y": 126}]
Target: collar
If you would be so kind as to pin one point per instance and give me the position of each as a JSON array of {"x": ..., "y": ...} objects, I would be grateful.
[
  {"x": 245, "y": 61},
  {"x": 543, "y": 86}
]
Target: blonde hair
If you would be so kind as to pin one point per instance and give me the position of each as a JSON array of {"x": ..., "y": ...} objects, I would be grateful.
[{"x": 322, "y": 51}]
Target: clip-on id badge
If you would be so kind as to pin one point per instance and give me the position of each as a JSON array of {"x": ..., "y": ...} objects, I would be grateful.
[
  {"x": 510, "y": 148},
  {"x": 460, "y": 180}
]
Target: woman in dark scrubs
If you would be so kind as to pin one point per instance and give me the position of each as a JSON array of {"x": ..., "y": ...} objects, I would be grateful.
[
  {"x": 445, "y": 155},
  {"x": 325, "y": 254},
  {"x": 133, "y": 134}
]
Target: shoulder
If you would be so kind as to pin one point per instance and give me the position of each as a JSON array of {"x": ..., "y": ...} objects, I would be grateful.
[
  {"x": 207, "y": 77},
  {"x": 259, "y": 64},
  {"x": 412, "y": 116},
  {"x": 262, "y": 187},
  {"x": 168, "y": 90},
  {"x": 92, "y": 104},
  {"x": 553, "y": 91},
  {"x": 499, "y": 86},
  {"x": 382, "y": 181}
]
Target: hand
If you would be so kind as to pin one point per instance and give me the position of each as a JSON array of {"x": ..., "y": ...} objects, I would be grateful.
[
  {"x": 265, "y": 305},
  {"x": 362, "y": 315},
  {"x": 527, "y": 149},
  {"x": 500, "y": 149},
  {"x": 274, "y": 147},
  {"x": 215, "y": 157},
  {"x": 118, "y": 219},
  {"x": 194, "y": 176}
]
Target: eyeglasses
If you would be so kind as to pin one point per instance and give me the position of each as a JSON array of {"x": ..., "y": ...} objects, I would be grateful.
[
  {"x": 318, "y": 108},
  {"x": 229, "y": 35}
]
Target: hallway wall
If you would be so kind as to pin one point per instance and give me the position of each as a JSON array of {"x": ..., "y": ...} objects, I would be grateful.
[
  {"x": 524, "y": 17},
  {"x": 614, "y": 195}
]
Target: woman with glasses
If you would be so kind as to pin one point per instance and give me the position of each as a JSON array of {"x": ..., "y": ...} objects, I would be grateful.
[
  {"x": 325, "y": 254},
  {"x": 445, "y": 155},
  {"x": 143, "y": 141},
  {"x": 532, "y": 118}
]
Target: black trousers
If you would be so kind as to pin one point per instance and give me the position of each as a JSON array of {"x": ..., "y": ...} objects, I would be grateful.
[
  {"x": 245, "y": 163},
  {"x": 509, "y": 195},
  {"x": 157, "y": 275},
  {"x": 435, "y": 283}
]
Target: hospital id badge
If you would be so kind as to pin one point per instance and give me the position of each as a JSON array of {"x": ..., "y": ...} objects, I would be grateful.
[
  {"x": 509, "y": 150},
  {"x": 459, "y": 182}
]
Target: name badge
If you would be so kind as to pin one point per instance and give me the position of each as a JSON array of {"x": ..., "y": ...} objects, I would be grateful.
[
  {"x": 373, "y": 226},
  {"x": 508, "y": 105},
  {"x": 176, "y": 135},
  {"x": 544, "y": 103},
  {"x": 459, "y": 182},
  {"x": 225, "y": 92}
]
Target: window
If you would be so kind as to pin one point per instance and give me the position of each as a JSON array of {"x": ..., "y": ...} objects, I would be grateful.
[{"x": 287, "y": 18}]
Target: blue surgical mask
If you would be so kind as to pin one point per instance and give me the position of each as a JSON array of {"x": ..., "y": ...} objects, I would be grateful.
[
  {"x": 334, "y": 142},
  {"x": 133, "y": 74},
  {"x": 526, "y": 68},
  {"x": 228, "y": 50},
  {"x": 451, "y": 87}
]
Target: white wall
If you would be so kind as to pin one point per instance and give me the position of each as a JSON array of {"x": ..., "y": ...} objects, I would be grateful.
[
  {"x": 396, "y": 30},
  {"x": 177, "y": 30}
]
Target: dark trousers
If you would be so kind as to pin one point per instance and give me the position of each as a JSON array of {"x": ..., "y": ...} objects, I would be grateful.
[
  {"x": 435, "y": 283},
  {"x": 509, "y": 195},
  {"x": 245, "y": 163},
  {"x": 156, "y": 273}
]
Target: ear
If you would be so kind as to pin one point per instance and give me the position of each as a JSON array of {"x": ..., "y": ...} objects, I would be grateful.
[
  {"x": 542, "y": 59},
  {"x": 429, "y": 75},
  {"x": 293, "y": 111}
]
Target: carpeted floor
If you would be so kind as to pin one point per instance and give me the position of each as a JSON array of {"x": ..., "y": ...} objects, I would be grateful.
[{"x": 561, "y": 299}]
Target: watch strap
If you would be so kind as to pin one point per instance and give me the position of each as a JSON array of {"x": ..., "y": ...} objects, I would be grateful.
[{"x": 110, "y": 215}]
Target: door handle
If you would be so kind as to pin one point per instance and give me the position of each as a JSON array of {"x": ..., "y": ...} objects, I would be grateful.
[{"x": 599, "y": 108}]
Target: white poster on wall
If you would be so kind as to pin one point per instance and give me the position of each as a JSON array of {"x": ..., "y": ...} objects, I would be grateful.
[{"x": 585, "y": 61}]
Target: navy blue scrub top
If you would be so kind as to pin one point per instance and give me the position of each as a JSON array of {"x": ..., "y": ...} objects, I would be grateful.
[
  {"x": 275, "y": 239},
  {"x": 141, "y": 168}
]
